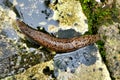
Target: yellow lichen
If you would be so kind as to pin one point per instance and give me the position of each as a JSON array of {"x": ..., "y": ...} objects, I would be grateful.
[
  {"x": 36, "y": 72},
  {"x": 70, "y": 15}
]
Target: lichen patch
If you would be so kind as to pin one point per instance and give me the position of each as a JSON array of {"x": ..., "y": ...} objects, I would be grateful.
[{"x": 70, "y": 15}]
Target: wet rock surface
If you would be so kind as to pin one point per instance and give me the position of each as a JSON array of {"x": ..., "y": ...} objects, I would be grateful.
[
  {"x": 73, "y": 60},
  {"x": 35, "y": 13},
  {"x": 92, "y": 72}
]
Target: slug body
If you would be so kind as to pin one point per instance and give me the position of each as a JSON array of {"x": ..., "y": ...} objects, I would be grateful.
[{"x": 57, "y": 44}]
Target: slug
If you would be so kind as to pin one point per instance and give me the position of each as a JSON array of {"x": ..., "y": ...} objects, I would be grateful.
[{"x": 57, "y": 44}]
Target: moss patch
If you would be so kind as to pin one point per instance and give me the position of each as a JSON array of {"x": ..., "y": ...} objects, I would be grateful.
[{"x": 98, "y": 15}]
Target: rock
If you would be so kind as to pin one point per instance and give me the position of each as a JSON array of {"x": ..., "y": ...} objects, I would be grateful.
[
  {"x": 112, "y": 41},
  {"x": 118, "y": 4},
  {"x": 35, "y": 13},
  {"x": 70, "y": 17},
  {"x": 83, "y": 64},
  {"x": 7, "y": 39},
  {"x": 40, "y": 71},
  {"x": 9, "y": 78},
  {"x": 15, "y": 56}
]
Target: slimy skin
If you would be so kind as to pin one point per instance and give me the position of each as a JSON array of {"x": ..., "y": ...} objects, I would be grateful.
[{"x": 57, "y": 44}]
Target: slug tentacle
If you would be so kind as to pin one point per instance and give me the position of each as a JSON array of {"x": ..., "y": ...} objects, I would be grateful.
[{"x": 57, "y": 44}]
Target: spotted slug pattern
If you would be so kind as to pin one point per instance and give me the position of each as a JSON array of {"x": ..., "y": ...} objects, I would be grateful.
[{"x": 57, "y": 44}]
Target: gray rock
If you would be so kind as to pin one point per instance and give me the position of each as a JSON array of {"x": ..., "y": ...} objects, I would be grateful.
[
  {"x": 83, "y": 64},
  {"x": 73, "y": 60},
  {"x": 112, "y": 46},
  {"x": 6, "y": 51},
  {"x": 10, "y": 33}
]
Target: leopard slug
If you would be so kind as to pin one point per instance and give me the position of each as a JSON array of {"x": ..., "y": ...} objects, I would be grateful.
[{"x": 57, "y": 44}]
